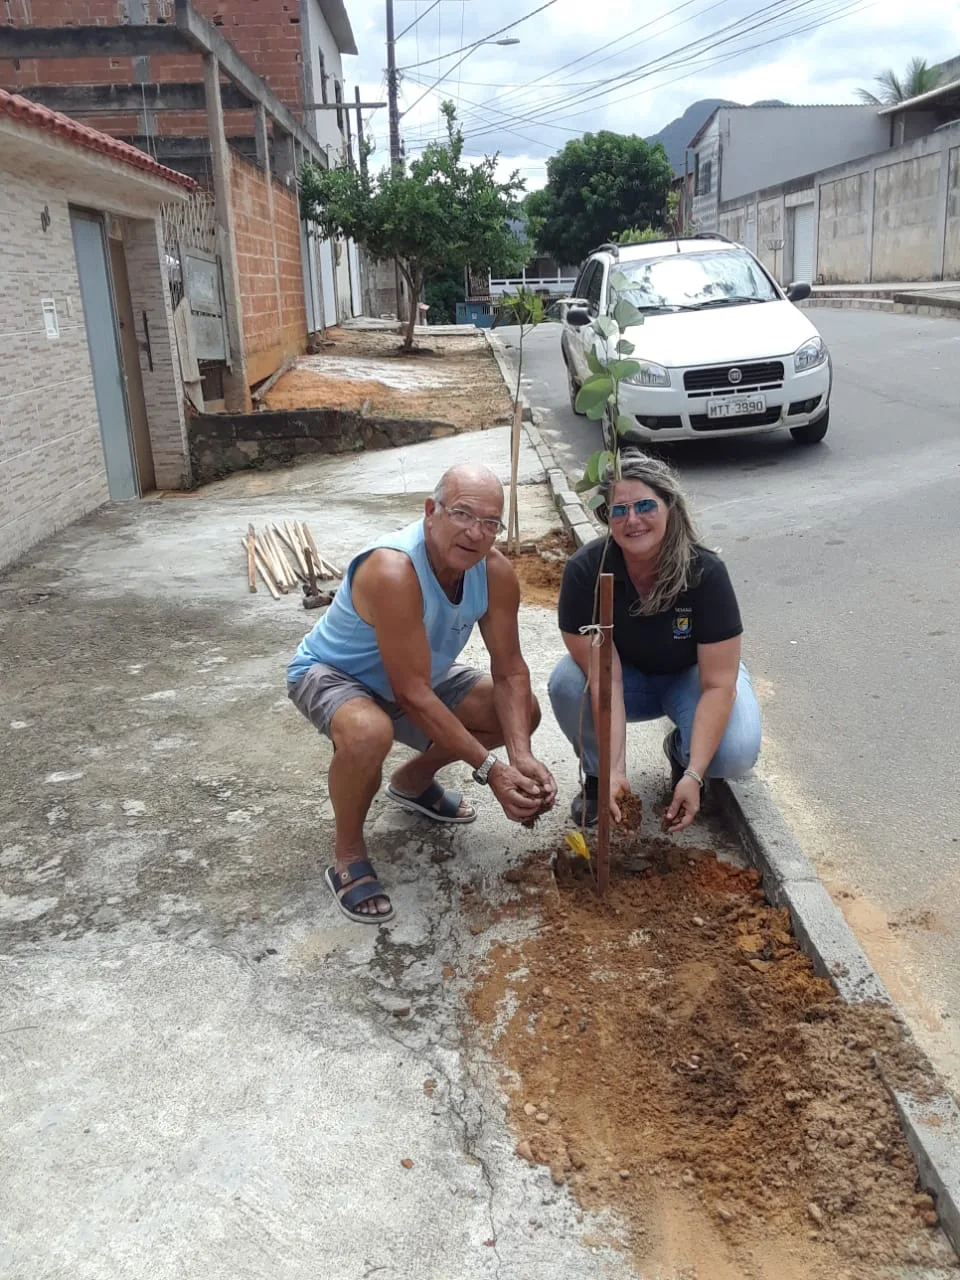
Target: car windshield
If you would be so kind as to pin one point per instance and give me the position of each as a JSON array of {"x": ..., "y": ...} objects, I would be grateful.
[{"x": 696, "y": 281}]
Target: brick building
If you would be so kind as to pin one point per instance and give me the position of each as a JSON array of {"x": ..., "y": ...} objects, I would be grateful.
[
  {"x": 131, "y": 68},
  {"x": 90, "y": 391}
]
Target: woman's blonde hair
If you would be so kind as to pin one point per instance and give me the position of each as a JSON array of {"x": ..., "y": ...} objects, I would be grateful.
[{"x": 676, "y": 569}]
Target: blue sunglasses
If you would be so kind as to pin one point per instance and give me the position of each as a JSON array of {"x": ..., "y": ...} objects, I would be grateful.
[{"x": 642, "y": 507}]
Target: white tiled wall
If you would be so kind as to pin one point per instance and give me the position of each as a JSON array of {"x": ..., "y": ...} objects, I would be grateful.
[{"x": 51, "y": 460}]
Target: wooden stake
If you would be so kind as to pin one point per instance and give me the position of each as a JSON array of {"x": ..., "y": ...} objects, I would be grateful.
[
  {"x": 266, "y": 551},
  {"x": 603, "y": 732},
  {"x": 312, "y": 574},
  {"x": 513, "y": 516},
  {"x": 289, "y": 541},
  {"x": 324, "y": 566},
  {"x": 291, "y": 530},
  {"x": 286, "y": 573},
  {"x": 251, "y": 559},
  {"x": 261, "y": 565}
]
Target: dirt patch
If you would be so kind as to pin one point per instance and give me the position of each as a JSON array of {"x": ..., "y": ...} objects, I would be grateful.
[
  {"x": 674, "y": 1056},
  {"x": 459, "y": 383},
  {"x": 540, "y": 566}
]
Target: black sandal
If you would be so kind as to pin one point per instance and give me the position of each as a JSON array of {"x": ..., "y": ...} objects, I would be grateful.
[{"x": 348, "y": 899}]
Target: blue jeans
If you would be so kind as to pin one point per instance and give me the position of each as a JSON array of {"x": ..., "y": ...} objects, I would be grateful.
[{"x": 649, "y": 698}]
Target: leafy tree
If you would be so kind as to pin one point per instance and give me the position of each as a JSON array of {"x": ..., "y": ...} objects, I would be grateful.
[
  {"x": 597, "y": 187},
  {"x": 919, "y": 79},
  {"x": 442, "y": 290},
  {"x": 441, "y": 215}
]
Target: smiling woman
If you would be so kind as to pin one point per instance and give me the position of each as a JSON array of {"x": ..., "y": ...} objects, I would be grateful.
[{"x": 676, "y": 637}]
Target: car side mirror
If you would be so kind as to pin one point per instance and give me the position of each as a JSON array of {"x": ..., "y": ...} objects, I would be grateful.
[
  {"x": 798, "y": 291},
  {"x": 578, "y": 317}
]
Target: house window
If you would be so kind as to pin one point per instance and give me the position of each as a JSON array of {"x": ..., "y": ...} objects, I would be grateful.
[
  {"x": 338, "y": 94},
  {"x": 703, "y": 179},
  {"x": 324, "y": 96}
]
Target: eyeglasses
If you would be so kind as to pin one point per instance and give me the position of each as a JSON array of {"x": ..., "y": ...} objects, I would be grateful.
[
  {"x": 466, "y": 520},
  {"x": 642, "y": 507}
]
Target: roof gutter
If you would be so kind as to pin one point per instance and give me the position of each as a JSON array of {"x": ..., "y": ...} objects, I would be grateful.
[{"x": 931, "y": 96}]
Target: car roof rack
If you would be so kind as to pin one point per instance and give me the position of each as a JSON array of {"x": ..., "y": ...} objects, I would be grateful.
[
  {"x": 607, "y": 248},
  {"x": 709, "y": 235}
]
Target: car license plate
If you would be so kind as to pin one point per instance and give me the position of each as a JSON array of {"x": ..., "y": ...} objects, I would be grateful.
[{"x": 736, "y": 406}]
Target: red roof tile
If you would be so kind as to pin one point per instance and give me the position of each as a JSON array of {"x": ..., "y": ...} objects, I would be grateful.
[{"x": 82, "y": 135}]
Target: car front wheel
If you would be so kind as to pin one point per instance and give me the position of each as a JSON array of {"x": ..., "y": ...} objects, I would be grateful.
[
  {"x": 811, "y": 432},
  {"x": 573, "y": 388}
]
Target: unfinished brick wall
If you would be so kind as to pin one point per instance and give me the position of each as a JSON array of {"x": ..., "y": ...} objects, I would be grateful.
[
  {"x": 266, "y": 34},
  {"x": 267, "y": 231}
]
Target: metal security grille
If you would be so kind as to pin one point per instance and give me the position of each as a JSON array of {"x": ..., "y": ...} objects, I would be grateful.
[
  {"x": 718, "y": 376},
  {"x": 187, "y": 224}
]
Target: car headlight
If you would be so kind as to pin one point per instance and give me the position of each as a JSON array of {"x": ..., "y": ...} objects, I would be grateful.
[
  {"x": 649, "y": 375},
  {"x": 810, "y": 355}
]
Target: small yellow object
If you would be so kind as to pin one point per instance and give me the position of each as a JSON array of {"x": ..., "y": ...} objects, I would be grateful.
[{"x": 577, "y": 843}]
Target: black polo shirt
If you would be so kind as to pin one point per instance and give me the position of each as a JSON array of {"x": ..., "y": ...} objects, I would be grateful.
[{"x": 664, "y": 643}]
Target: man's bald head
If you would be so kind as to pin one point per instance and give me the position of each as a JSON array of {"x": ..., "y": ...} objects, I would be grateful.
[{"x": 467, "y": 476}]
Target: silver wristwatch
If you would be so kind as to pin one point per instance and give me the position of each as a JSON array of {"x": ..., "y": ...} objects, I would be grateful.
[{"x": 482, "y": 775}]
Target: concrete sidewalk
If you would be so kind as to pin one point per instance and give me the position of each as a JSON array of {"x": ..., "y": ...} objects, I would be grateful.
[{"x": 204, "y": 1069}]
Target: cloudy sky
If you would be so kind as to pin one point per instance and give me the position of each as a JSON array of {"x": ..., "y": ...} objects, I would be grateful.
[{"x": 634, "y": 72}]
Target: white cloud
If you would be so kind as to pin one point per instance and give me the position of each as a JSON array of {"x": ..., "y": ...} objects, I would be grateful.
[{"x": 518, "y": 100}]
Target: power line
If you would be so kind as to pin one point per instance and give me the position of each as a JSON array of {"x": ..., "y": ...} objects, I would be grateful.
[
  {"x": 463, "y": 18},
  {"x": 589, "y": 56},
  {"x": 697, "y": 61},
  {"x": 420, "y": 16},
  {"x": 476, "y": 44},
  {"x": 694, "y": 58},
  {"x": 450, "y": 72},
  {"x": 735, "y": 31},
  {"x": 774, "y": 10}
]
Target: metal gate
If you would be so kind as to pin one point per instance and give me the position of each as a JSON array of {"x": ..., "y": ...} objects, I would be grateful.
[
  {"x": 194, "y": 273},
  {"x": 203, "y": 290},
  {"x": 100, "y": 321},
  {"x": 803, "y": 243}
]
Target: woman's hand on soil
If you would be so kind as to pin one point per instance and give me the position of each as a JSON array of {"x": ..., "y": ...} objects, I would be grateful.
[
  {"x": 684, "y": 806},
  {"x": 619, "y": 790}
]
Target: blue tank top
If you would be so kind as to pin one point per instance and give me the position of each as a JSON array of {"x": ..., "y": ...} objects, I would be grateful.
[{"x": 343, "y": 640}]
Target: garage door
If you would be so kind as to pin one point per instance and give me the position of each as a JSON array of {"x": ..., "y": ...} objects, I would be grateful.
[{"x": 803, "y": 243}]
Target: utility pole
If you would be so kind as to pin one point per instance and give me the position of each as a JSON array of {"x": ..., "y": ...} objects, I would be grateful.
[
  {"x": 393, "y": 90},
  {"x": 361, "y": 142}
]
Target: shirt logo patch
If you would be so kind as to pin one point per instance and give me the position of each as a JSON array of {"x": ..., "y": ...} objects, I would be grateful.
[{"x": 682, "y": 626}]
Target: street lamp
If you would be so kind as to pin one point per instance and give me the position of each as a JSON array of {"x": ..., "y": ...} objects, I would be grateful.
[{"x": 393, "y": 85}]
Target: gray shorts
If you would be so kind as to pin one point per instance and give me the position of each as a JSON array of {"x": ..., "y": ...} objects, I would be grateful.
[{"x": 321, "y": 691}]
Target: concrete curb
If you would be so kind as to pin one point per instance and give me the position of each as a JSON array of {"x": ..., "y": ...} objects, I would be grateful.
[
  {"x": 902, "y": 304},
  {"x": 931, "y": 1126},
  {"x": 576, "y": 518}
]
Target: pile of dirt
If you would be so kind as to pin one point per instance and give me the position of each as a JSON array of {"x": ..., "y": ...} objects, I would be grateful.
[
  {"x": 539, "y": 567},
  {"x": 670, "y": 1053},
  {"x": 458, "y": 382}
]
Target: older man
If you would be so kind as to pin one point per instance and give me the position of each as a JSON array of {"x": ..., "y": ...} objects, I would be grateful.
[{"x": 381, "y": 666}]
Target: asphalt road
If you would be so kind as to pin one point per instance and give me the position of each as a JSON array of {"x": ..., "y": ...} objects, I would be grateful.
[{"x": 846, "y": 559}]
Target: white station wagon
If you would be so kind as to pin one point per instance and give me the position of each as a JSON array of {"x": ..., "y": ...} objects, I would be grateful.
[{"x": 723, "y": 351}]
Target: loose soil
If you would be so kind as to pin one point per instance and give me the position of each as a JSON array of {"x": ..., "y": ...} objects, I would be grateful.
[
  {"x": 539, "y": 567},
  {"x": 671, "y": 1054},
  {"x": 459, "y": 383}
]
